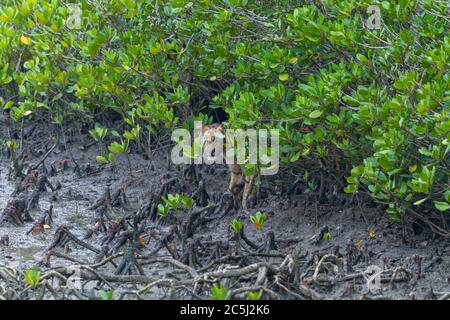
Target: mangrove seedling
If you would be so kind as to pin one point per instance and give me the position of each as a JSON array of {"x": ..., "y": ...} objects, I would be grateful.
[
  {"x": 32, "y": 276},
  {"x": 258, "y": 220},
  {"x": 219, "y": 292}
]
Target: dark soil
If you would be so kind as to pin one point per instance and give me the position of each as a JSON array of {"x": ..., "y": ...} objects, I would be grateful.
[{"x": 154, "y": 258}]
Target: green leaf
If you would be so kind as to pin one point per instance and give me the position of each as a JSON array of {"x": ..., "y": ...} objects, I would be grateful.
[
  {"x": 109, "y": 295},
  {"x": 442, "y": 206},
  {"x": 32, "y": 276},
  {"x": 447, "y": 195},
  {"x": 420, "y": 201},
  {"x": 283, "y": 77},
  {"x": 315, "y": 114},
  {"x": 237, "y": 226},
  {"x": 219, "y": 292},
  {"x": 102, "y": 159},
  {"x": 163, "y": 210},
  {"x": 293, "y": 60},
  {"x": 255, "y": 295},
  {"x": 295, "y": 157},
  {"x": 116, "y": 148}
]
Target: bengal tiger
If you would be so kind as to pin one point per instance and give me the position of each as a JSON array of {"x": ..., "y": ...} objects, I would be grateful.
[{"x": 238, "y": 180}]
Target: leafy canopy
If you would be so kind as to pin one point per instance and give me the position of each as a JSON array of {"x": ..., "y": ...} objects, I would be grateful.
[{"x": 344, "y": 97}]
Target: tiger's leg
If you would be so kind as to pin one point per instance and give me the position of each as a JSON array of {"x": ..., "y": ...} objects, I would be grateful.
[
  {"x": 254, "y": 194},
  {"x": 236, "y": 181},
  {"x": 249, "y": 191}
]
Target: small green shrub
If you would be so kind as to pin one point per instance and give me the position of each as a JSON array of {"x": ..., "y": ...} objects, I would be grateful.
[
  {"x": 32, "y": 276},
  {"x": 370, "y": 107},
  {"x": 106, "y": 295},
  {"x": 236, "y": 226},
  {"x": 254, "y": 295},
  {"x": 219, "y": 292},
  {"x": 174, "y": 203},
  {"x": 259, "y": 220}
]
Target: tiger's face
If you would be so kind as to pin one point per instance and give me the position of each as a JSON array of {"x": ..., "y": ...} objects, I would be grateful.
[
  {"x": 209, "y": 133},
  {"x": 210, "y": 136},
  {"x": 238, "y": 181}
]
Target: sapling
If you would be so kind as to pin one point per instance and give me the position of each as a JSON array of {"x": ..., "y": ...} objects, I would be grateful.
[
  {"x": 106, "y": 295},
  {"x": 326, "y": 236},
  {"x": 99, "y": 134},
  {"x": 237, "y": 226},
  {"x": 173, "y": 203},
  {"x": 254, "y": 295},
  {"x": 259, "y": 220},
  {"x": 219, "y": 292},
  {"x": 32, "y": 276}
]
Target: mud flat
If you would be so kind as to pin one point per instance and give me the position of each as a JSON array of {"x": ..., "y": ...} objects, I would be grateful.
[{"x": 307, "y": 250}]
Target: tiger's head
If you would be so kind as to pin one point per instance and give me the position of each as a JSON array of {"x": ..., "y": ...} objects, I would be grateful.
[{"x": 211, "y": 132}]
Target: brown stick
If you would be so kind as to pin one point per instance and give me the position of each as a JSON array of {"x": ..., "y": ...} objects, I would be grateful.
[{"x": 44, "y": 157}]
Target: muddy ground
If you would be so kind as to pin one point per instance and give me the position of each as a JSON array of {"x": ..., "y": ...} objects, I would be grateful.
[{"x": 290, "y": 259}]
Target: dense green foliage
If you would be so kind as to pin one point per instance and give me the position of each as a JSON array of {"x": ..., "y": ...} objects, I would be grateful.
[{"x": 371, "y": 104}]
